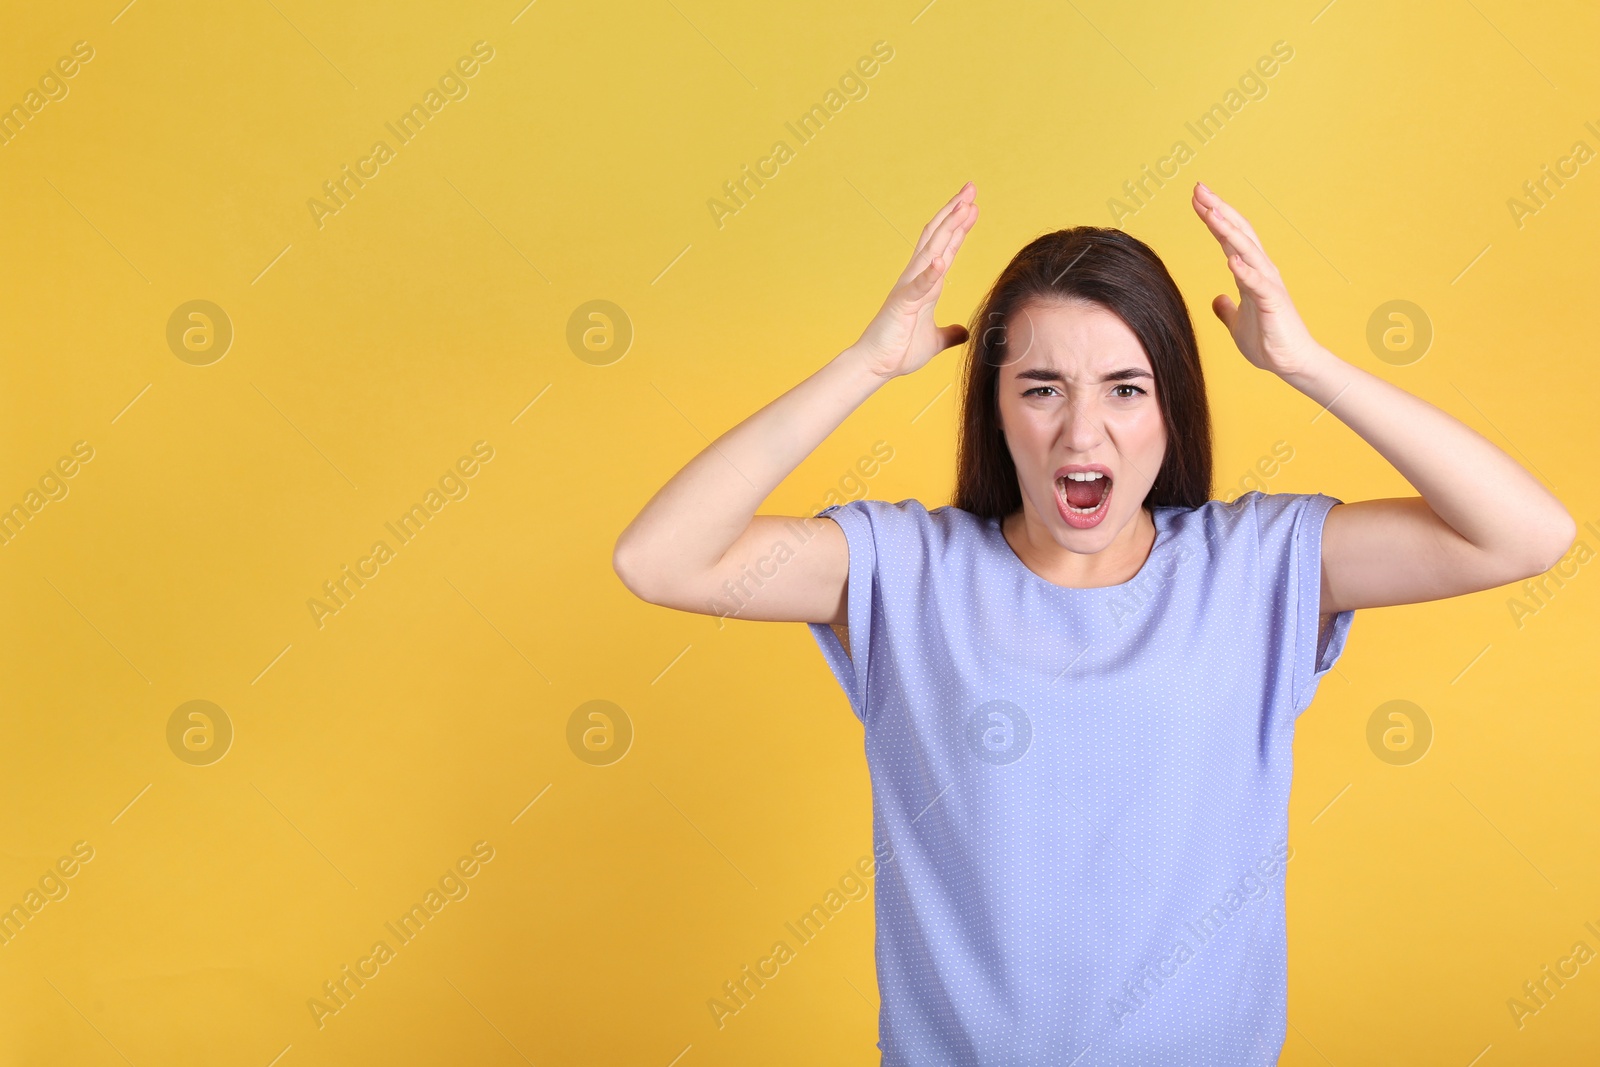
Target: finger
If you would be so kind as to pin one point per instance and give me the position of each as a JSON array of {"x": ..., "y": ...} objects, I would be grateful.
[
  {"x": 952, "y": 335},
  {"x": 1254, "y": 282},
  {"x": 954, "y": 244},
  {"x": 927, "y": 298},
  {"x": 967, "y": 192},
  {"x": 947, "y": 238},
  {"x": 943, "y": 213},
  {"x": 1219, "y": 226},
  {"x": 1236, "y": 242},
  {"x": 1233, "y": 237},
  {"x": 1225, "y": 309},
  {"x": 1229, "y": 212},
  {"x": 960, "y": 215},
  {"x": 912, "y": 292}
]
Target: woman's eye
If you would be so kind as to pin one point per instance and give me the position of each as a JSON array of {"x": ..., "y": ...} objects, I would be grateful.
[
  {"x": 1135, "y": 389},
  {"x": 1039, "y": 390}
]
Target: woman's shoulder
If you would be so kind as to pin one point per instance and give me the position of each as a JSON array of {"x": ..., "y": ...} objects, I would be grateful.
[
  {"x": 909, "y": 510},
  {"x": 1254, "y": 517},
  {"x": 908, "y": 520}
]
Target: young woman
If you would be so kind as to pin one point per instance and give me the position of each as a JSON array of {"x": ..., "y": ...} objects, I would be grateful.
[{"x": 1079, "y": 682}]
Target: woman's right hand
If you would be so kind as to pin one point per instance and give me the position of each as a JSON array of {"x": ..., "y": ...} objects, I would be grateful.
[{"x": 902, "y": 336}]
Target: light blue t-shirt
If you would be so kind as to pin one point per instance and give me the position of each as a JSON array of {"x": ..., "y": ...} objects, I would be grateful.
[{"x": 1080, "y": 796}]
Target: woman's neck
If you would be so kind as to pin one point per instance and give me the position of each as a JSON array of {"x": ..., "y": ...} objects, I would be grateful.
[{"x": 1114, "y": 564}]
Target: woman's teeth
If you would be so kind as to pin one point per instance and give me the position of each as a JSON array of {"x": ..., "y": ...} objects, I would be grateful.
[{"x": 1100, "y": 487}]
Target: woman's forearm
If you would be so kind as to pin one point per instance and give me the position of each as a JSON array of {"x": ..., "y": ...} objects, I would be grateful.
[
  {"x": 672, "y": 550},
  {"x": 692, "y": 521},
  {"x": 1476, "y": 489}
]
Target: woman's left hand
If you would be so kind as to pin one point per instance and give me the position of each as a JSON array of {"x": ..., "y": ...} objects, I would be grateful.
[{"x": 1264, "y": 323}]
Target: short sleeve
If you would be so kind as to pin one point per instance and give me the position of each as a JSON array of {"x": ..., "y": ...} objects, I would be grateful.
[
  {"x": 1289, "y": 541},
  {"x": 852, "y": 670}
]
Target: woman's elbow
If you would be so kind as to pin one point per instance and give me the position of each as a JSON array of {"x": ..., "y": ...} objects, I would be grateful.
[
  {"x": 653, "y": 578},
  {"x": 635, "y": 576},
  {"x": 1548, "y": 544}
]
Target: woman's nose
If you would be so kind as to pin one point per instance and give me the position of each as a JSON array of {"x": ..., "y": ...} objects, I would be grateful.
[{"x": 1082, "y": 427}]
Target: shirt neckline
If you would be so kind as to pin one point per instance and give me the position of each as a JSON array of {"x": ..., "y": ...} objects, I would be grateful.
[{"x": 1158, "y": 515}]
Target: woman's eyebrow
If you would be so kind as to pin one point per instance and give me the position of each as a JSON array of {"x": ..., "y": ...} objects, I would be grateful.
[{"x": 1051, "y": 374}]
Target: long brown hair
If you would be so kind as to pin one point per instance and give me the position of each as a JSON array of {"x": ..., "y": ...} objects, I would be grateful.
[{"x": 1121, "y": 274}]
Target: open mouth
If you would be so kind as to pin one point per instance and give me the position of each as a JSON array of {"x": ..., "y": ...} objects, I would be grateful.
[{"x": 1083, "y": 495}]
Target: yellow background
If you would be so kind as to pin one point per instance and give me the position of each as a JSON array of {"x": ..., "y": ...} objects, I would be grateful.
[{"x": 368, "y": 354}]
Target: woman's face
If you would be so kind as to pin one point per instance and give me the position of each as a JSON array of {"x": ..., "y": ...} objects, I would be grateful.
[{"x": 1078, "y": 396}]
